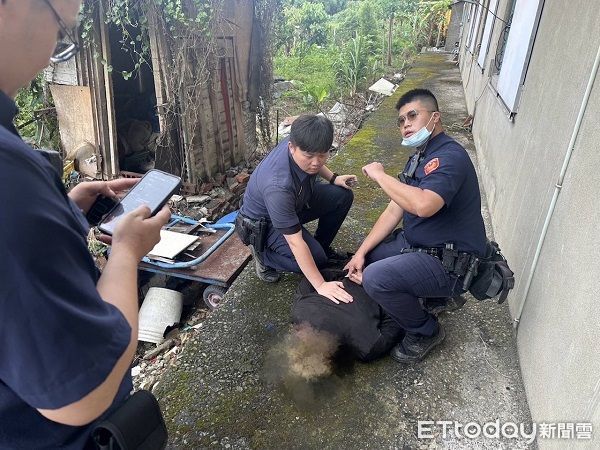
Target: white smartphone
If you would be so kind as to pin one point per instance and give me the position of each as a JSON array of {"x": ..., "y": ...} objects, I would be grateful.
[{"x": 153, "y": 190}]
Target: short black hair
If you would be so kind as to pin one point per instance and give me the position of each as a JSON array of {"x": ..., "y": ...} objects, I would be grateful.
[
  {"x": 422, "y": 95},
  {"x": 312, "y": 133}
]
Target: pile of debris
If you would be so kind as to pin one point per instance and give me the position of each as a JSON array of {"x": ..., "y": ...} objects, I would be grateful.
[
  {"x": 347, "y": 115},
  {"x": 151, "y": 361},
  {"x": 215, "y": 198}
]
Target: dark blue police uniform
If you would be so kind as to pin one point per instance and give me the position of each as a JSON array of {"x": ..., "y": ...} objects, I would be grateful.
[
  {"x": 59, "y": 339},
  {"x": 289, "y": 197},
  {"x": 395, "y": 280}
]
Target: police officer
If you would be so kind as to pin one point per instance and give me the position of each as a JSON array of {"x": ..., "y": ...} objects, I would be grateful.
[
  {"x": 283, "y": 189},
  {"x": 439, "y": 202},
  {"x": 68, "y": 337}
]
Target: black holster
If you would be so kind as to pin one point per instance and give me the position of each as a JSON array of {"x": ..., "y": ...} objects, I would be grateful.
[
  {"x": 137, "y": 424},
  {"x": 252, "y": 231},
  {"x": 493, "y": 277}
]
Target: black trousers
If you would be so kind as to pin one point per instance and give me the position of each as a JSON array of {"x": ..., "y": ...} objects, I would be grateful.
[{"x": 396, "y": 281}]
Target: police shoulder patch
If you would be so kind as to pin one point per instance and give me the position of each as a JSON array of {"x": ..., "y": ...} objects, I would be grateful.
[{"x": 431, "y": 166}]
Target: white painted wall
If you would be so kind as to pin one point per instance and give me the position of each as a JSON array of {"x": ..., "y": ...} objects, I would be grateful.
[{"x": 559, "y": 332}]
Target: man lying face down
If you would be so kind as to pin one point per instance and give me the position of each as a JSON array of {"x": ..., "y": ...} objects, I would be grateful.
[{"x": 323, "y": 329}]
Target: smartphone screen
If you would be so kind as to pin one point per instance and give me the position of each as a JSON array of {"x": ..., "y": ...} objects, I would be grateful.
[{"x": 153, "y": 190}]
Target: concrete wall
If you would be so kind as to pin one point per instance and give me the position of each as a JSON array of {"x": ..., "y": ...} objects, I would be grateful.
[
  {"x": 520, "y": 161},
  {"x": 453, "y": 33}
]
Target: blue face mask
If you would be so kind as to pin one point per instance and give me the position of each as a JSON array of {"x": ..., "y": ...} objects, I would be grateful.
[{"x": 419, "y": 138}]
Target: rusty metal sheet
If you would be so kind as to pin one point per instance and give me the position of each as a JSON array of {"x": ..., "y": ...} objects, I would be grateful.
[{"x": 219, "y": 268}]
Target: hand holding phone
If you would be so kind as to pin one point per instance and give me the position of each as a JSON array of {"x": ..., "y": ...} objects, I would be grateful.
[
  {"x": 137, "y": 233},
  {"x": 102, "y": 206},
  {"x": 153, "y": 190}
]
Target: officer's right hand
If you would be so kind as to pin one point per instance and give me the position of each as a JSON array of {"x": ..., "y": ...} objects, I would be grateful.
[
  {"x": 334, "y": 291},
  {"x": 356, "y": 264},
  {"x": 355, "y": 267},
  {"x": 373, "y": 170},
  {"x": 138, "y": 232}
]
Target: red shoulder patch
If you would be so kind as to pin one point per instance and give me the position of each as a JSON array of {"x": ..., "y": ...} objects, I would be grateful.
[{"x": 431, "y": 166}]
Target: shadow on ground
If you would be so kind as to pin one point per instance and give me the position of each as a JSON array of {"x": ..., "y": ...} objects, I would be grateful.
[{"x": 219, "y": 394}]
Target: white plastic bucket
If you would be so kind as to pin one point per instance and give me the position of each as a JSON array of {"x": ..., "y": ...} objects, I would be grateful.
[{"x": 161, "y": 309}]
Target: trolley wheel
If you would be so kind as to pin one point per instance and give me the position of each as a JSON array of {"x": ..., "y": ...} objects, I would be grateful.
[{"x": 213, "y": 296}]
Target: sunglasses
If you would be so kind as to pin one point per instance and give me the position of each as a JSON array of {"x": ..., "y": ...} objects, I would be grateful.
[
  {"x": 64, "y": 50},
  {"x": 409, "y": 172},
  {"x": 411, "y": 115}
]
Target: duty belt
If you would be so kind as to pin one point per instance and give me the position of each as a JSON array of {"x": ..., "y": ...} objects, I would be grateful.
[
  {"x": 454, "y": 262},
  {"x": 244, "y": 216},
  {"x": 432, "y": 251}
]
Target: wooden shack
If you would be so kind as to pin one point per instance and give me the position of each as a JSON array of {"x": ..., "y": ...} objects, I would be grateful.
[{"x": 115, "y": 116}]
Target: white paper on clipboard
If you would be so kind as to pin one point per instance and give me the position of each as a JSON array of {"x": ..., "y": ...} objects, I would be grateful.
[{"x": 171, "y": 244}]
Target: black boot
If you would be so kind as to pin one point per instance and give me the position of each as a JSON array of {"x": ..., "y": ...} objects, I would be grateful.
[
  {"x": 414, "y": 347},
  {"x": 334, "y": 257},
  {"x": 265, "y": 273},
  {"x": 436, "y": 306}
]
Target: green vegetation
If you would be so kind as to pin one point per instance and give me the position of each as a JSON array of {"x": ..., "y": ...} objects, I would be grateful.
[
  {"x": 312, "y": 73},
  {"x": 338, "y": 48},
  {"x": 36, "y": 121}
]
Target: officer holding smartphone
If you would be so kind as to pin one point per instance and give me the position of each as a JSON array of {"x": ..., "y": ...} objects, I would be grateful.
[{"x": 67, "y": 336}]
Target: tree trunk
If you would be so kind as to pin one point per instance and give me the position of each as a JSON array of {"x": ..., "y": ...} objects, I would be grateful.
[
  {"x": 383, "y": 52},
  {"x": 437, "y": 41},
  {"x": 389, "y": 49},
  {"x": 430, "y": 34}
]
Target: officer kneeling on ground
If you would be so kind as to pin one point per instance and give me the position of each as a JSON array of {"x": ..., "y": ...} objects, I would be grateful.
[
  {"x": 438, "y": 200},
  {"x": 283, "y": 194}
]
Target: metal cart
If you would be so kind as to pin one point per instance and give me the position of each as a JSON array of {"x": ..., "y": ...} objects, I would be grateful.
[{"x": 216, "y": 260}]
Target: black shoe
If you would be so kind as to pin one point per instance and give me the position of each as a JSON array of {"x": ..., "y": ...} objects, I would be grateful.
[
  {"x": 414, "y": 347},
  {"x": 265, "y": 273},
  {"x": 335, "y": 257},
  {"x": 436, "y": 306}
]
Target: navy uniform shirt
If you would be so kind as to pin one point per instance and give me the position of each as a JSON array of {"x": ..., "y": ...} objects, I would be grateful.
[
  {"x": 447, "y": 170},
  {"x": 59, "y": 340},
  {"x": 278, "y": 190}
]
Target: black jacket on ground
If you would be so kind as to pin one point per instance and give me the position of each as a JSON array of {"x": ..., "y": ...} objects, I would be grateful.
[{"x": 361, "y": 326}]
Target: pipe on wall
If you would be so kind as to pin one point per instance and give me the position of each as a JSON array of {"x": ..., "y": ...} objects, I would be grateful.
[{"x": 558, "y": 186}]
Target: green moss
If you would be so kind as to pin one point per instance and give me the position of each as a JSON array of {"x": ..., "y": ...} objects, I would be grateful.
[
  {"x": 178, "y": 397},
  {"x": 379, "y": 140}
]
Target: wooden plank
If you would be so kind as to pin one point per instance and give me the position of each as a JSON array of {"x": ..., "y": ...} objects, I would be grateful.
[
  {"x": 213, "y": 152},
  {"x": 157, "y": 72},
  {"x": 75, "y": 116},
  {"x": 238, "y": 91},
  {"x": 107, "y": 99},
  {"x": 226, "y": 118}
]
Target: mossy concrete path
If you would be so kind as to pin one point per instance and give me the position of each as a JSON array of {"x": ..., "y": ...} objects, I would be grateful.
[{"x": 221, "y": 393}]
